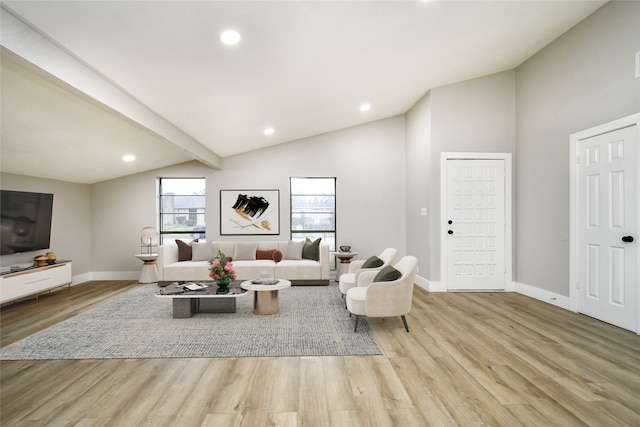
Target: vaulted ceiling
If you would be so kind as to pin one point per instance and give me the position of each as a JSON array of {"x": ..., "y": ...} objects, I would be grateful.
[{"x": 85, "y": 82}]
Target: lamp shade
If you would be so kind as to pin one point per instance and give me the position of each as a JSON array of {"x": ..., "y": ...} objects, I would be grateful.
[{"x": 149, "y": 237}]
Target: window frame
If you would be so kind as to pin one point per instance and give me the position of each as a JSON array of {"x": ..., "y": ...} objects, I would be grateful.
[
  {"x": 189, "y": 213},
  {"x": 334, "y": 232}
]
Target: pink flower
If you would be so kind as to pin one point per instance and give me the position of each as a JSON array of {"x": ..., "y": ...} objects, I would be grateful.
[{"x": 220, "y": 268}]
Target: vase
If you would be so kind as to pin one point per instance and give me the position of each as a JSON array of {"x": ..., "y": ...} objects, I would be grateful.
[{"x": 223, "y": 286}]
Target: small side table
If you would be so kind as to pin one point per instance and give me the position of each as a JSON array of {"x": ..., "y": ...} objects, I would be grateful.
[
  {"x": 343, "y": 266},
  {"x": 265, "y": 298},
  {"x": 149, "y": 273}
]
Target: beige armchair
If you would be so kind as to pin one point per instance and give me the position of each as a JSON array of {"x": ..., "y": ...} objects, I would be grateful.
[
  {"x": 384, "y": 299},
  {"x": 349, "y": 280}
]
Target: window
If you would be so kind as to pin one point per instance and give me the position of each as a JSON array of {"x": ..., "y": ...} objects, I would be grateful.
[
  {"x": 313, "y": 210},
  {"x": 182, "y": 208}
]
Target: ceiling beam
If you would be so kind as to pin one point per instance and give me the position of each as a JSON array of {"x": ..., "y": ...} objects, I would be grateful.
[{"x": 22, "y": 40}]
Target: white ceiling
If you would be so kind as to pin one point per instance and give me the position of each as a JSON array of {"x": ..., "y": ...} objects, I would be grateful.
[{"x": 301, "y": 67}]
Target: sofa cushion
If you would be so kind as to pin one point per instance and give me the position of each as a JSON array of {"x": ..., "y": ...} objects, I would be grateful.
[
  {"x": 387, "y": 274},
  {"x": 372, "y": 262},
  {"x": 245, "y": 251},
  {"x": 184, "y": 250},
  {"x": 311, "y": 249},
  {"x": 201, "y": 251},
  {"x": 294, "y": 249},
  {"x": 304, "y": 269},
  {"x": 249, "y": 270},
  {"x": 277, "y": 256},
  {"x": 187, "y": 270}
]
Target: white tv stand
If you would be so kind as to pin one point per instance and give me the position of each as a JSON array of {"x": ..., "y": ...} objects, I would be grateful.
[{"x": 34, "y": 281}]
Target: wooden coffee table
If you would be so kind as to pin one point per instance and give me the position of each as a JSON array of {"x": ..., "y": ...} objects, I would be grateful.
[
  {"x": 204, "y": 300},
  {"x": 265, "y": 299}
]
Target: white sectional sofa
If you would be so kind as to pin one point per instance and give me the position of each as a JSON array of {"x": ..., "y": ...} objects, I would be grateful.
[{"x": 246, "y": 262}]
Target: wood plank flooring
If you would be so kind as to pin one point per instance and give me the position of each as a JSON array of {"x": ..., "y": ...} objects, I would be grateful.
[{"x": 471, "y": 359}]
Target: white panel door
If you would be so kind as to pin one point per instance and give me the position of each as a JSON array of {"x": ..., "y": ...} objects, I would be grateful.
[
  {"x": 607, "y": 281},
  {"x": 475, "y": 224}
]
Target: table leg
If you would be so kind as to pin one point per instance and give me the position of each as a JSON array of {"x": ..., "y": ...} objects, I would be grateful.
[
  {"x": 342, "y": 267},
  {"x": 266, "y": 302},
  {"x": 183, "y": 307},
  {"x": 149, "y": 273}
]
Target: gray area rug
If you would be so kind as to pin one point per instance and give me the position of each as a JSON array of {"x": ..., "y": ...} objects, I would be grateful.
[{"x": 312, "y": 322}]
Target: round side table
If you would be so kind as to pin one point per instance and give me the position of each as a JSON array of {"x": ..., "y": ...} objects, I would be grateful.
[
  {"x": 344, "y": 259},
  {"x": 149, "y": 273},
  {"x": 265, "y": 298}
]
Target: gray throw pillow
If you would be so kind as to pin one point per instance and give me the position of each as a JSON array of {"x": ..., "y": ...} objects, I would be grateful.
[
  {"x": 372, "y": 262},
  {"x": 387, "y": 274},
  {"x": 294, "y": 249},
  {"x": 202, "y": 251},
  {"x": 311, "y": 250},
  {"x": 245, "y": 251}
]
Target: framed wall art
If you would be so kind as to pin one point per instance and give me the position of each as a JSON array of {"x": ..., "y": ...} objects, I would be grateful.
[{"x": 249, "y": 212}]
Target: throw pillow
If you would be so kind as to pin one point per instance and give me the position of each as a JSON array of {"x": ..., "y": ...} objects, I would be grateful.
[
  {"x": 245, "y": 251},
  {"x": 372, "y": 262},
  {"x": 387, "y": 274},
  {"x": 277, "y": 256},
  {"x": 184, "y": 250},
  {"x": 201, "y": 251},
  {"x": 294, "y": 249},
  {"x": 265, "y": 254},
  {"x": 311, "y": 250}
]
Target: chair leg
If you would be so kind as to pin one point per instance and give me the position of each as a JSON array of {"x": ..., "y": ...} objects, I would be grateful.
[
  {"x": 404, "y": 320},
  {"x": 356, "y": 328}
]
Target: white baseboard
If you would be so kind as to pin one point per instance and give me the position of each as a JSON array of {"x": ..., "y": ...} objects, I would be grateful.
[
  {"x": 521, "y": 288},
  {"x": 80, "y": 278},
  {"x": 428, "y": 285},
  {"x": 114, "y": 275},
  {"x": 542, "y": 295}
]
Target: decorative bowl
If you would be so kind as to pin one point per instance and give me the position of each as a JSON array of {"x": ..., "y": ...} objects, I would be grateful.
[
  {"x": 40, "y": 260},
  {"x": 345, "y": 248}
]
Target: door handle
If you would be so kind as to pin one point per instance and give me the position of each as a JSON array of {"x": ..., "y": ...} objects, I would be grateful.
[
  {"x": 450, "y": 232},
  {"x": 627, "y": 239}
]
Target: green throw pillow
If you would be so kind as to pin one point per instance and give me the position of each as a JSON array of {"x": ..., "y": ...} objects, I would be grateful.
[
  {"x": 372, "y": 262},
  {"x": 311, "y": 250},
  {"x": 387, "y": 274}
]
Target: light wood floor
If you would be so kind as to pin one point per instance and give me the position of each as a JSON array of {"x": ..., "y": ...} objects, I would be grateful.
[{"x": 471, "y": 359}]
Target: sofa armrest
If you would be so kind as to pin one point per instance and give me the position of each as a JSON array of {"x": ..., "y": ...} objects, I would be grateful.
[
  {"x": 167, "y": 255},
  {"x": 324, "y": 261}
]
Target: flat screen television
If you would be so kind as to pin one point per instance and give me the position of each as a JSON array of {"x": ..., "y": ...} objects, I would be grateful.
[{"x": 25, "y": 221}]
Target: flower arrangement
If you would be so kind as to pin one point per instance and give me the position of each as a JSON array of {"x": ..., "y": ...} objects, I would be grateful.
[{"x": 221, "y": 268}]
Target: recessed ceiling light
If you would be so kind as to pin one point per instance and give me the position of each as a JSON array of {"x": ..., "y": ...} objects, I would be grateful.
[
  {"x": 269, "y": 131},
  {"x": 128, "y": 158},
  {"x": 365, "y": 107},
  {"x": 230, "y": 37}
]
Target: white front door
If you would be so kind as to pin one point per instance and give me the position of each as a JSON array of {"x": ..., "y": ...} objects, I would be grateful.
[
  {"x": 475, "y": 224},
  {"x": 607, "y": 280}
]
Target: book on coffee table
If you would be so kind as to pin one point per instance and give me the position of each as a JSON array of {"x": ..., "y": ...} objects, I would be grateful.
[{"x": 265, "y": 281}]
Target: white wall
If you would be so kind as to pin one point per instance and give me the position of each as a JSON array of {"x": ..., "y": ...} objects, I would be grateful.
[
  {"x": 472, "y": 116},
  {"x": 582, "y": 79},
  {"x": 368, "y": 162},
  {"x": 70, "y": 224},
  {"x": 418, "y": 130}
]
